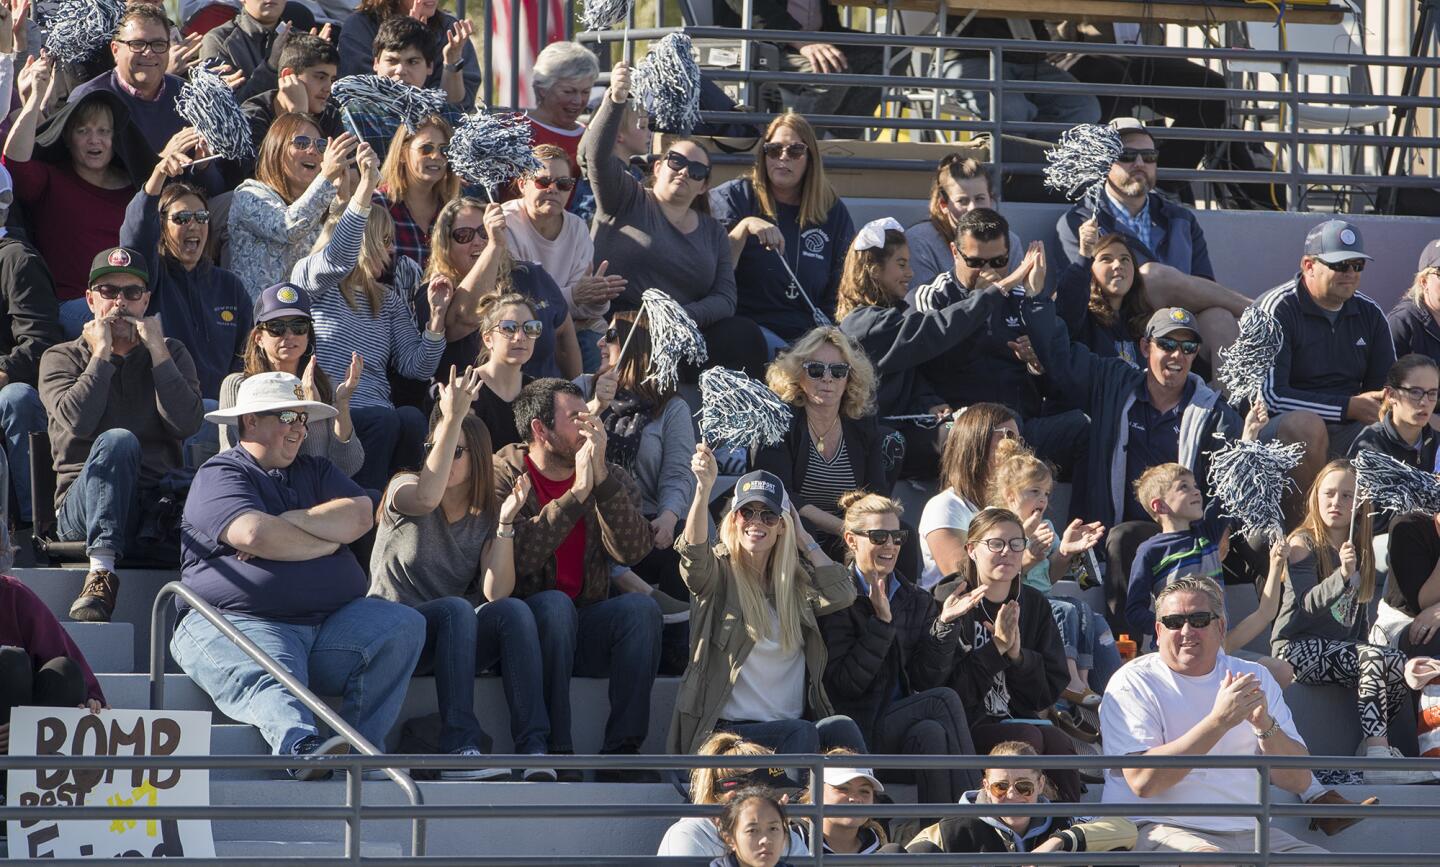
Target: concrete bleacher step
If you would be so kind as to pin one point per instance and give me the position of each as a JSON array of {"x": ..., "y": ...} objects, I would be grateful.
[
  {"x": 107, "y": 647},
  {"x": 57, "y": 588}
]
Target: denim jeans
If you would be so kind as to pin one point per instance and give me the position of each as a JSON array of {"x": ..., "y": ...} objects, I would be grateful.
[
  {"x": 618, "y": 638},
  {"x": 1087, "y": 639},
  {"x": 800, "y": 736},
  {"x": 1067, "y": 108},
  {"x": 102, "y": 505},
  {"x": 449, "y": 655},
  {"x": 365, "y": 652},
  {"x": 507, "y": 639},
  {"x": 393, "y": 437},
  {"x": 73, "y": 316},
  {"x": 589, "y": 349},
  {"x": 21, "y": 414},
  {"x": 204, "y": 444}
]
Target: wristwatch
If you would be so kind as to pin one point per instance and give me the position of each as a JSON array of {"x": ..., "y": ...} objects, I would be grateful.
[
  {"x": 456, "y": 66},
  {"x": 1269, "y": 732},
  {"x": 501, "y": 534}
]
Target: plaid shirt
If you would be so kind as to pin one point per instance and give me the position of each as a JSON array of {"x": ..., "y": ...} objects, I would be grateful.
[
  {"x": 378, "y": 128},
  {"x": 1138, "y": 225},
  {"x": 411, "y": 238}
]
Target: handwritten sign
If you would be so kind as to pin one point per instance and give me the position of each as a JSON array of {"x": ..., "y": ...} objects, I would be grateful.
[{"x": 53, "y": 731}]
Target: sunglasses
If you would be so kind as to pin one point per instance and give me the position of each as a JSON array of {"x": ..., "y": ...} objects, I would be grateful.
[
  {"x": 792, "y": 151},
  {"x": 995, "y": 546},
  {"x": 1170, "y": 344},
  {"x": 1196, "y": 619},
  {"x": 564, "y": 185},
  {"x": 1419, "y": 395},
  {"x": 982, "y": 262},
  {"x": 1146, "y": 155},
  {"x": 880, "y": 537},
  {"x": 510, "y": 328},
  {"x": 610, "y": 336},
  {"x": 765, "y": 516},
  {"x": 1356, "y": 265},
  {"x": 183, "y": 218},
  {"x": 816, "y": 370},
  {"x": 466, "y": 234},
  {"x": 109, "y": 291},
  {"x": 280, "y": 327},
  {"x": 309, "y": 143},
  {"x": 289, "y": 416},
  {"x": 697, "y": 170},
  {"x": 428, "y": 149},
  {"x": 460, "y": 450},
  {"x": 1000, "y": 788}
]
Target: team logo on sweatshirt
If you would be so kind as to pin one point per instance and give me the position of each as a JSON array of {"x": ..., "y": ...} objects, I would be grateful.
[{"x": 813, "y": 243}]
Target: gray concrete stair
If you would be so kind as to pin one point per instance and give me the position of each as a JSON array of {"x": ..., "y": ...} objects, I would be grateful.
[
  {"x": 59, "y": 587},
  {"x": 107, "y": 647}
]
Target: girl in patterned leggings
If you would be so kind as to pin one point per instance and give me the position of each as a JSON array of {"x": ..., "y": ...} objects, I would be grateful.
[{"x": 1324, "y": 618}]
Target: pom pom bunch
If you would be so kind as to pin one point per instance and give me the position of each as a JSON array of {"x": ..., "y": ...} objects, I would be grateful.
[
  {"x": 387, "y": 96},
  {"x": 492, "y": 149},
  {"x": 674, "y": 337},
  {"x": 1081, "y": 160},
  {"x": 1250, "y": 479},
  {"x": 667, "y": 84},
  {"x": 1246, "y": 364},
  {"x": 738, "y": 411},
  {"x": 77, "y": 29},
  {"x": 1394, "y": 485},
  {"x": 605, "y": 14},
  {"x": 208, "y": 104}
]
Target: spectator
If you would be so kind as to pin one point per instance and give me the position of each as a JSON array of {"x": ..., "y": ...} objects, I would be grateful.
[
  {"x": 308, "y": 68},
  {"x": 885, "y": 664},
  {"x": 276, "y": 217},
  {"x": 696, "y": 836},
  {"x": 283, "y": 340},
  {"x": 851, "y": 835},
  {"x": 833, "y": 445},
  {"x": 265, "y": 541},
  {"x": 785, "y": 218},
  {"x": 120, "y": 398},
  {"x": 1412, "y": 322},
  {"x": 1102, "y": 300},
  {"x": 1325, "y": 385},
  {"x": 509, "y": 336},
  {"x": 204, "y": 307},
  {"x": 354, "y": 310},
  {"x": 252, "y": 43},
  {"x": 1008, "y": 664},
  {"x": 444, "y": 547},
  {"x": 583, "y": 514},
  {"x": 1409, "y": 615},
  {"x": 754, "y": 829},
  {"x": 1403, "y": 431},
  {"x": 1323, "y": 622},
  {"x": 404, "y": 52},
  {"x": 664, "y": 237},
  {"x": 540, "y": 230},
  {"x": 1189, "y": 542},
  {"x": 449, "y": 39},
  {"x": 961, "y": 185},
  {"x": 74, "y": 182},
  {"x": 415, "y": 183},
  {"x": 766, "y": 684},
  {"x": 1192, "y": 698},
  {"x": 40, "y": 664},
  {"x": 1002, "y": 787},
  {"x": 1017, "y": 105},
  {"x": 562, "y": 76}
]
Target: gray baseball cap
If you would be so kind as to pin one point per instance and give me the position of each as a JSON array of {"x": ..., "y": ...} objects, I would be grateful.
[
  {"x": 1123, "y": 125},
  {"x": 1335, "y": 241},
  {"x": 1168, "y": 319},
  {"x": 1430, "y": 256}
]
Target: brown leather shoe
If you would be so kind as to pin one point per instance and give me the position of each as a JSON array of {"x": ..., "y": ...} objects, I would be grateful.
[
  {"x": 1335, "y": 824},
  {"x": 96, "y": 601}
]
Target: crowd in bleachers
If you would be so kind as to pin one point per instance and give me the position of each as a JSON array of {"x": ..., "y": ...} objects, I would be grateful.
[{"x": 392, "y": 423}]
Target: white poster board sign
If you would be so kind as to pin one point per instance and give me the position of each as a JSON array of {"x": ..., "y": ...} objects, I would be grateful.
[{"x": 48, "y": 731}]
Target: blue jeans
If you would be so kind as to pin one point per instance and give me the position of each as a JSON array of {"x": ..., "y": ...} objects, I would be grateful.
[
  {"x": 204, "y": 444},
  {"x": 393, "y": 437},
  {"x": 1067, "y": 108},
  {"x": 449, "y": 655},
  {"x": 1087, "y": 639},
  {"x": 799, "y": 736},
  {"x": 73, "y": 316},
  {"x": 21, "y": 414},
  {"x": 774, "y": 343},
  {"x": 507, "y": 638},
  {"x": 618, "y": 638},
  {"x": 589, "y": 349},
  {"x": 102, "y": 505},
  {"x": 364, "y": 652}
]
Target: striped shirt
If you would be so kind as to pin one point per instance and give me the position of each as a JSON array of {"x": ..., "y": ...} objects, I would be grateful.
[
  {"x": 1165, "y": 557},
  {"x": 826, "y": 481},
  {"x": 389, "y": 340}
]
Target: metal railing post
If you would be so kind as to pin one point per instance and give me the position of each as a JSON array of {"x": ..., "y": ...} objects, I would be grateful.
[
  {"x": 487, "y": 41},
  {"x": 747, "y": 52},
  {"x": 353, "y": 800},
  {"x": 1293, "y": 185},
  {"x": 997, "y": 111},
  {"x": 817, "y": 798},
  {"x": 1262, "y": 822}
]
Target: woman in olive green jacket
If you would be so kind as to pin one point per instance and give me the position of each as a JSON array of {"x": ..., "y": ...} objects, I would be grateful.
[{"x": 757, "y": 659}]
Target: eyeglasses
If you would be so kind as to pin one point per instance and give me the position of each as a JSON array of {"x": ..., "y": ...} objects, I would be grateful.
[
  {"x": 1000, "y": 788},
  {"x": 1145, "y": 155},
  {"x": 531, "y": 328},
  {"x": 466, "y": 234},
  {"x": 816, "y": 369},
  {"x": 1419, "y": 395},
  {"x": 183, "y": 218},
  {"x": 564, "y": 185},
  {"x": 765, "y": 516},
  {"x": 460, "y": 450},
  {"x": 428, "y": 149},
  {"x": 289, "y": 417},
  {"x": 279, "y": 327},
  {"x": 995, "y": 546},
  {"x": 697, "y": 170},
  {"x": 792, "y": 151},
  {"x": 982, "y": 262},
  {"x": 880, "y": 537},
  {"x": 1356, "y": 265},
  {"x": 1004, "y": 433},
  {"x": 140, "y": 46},
  {"x": 109, "y": 291},
  {"x": 1170, "y": 344},
  {"x": 310, "y": 143},
  {"x": 1196, "y": 619}
]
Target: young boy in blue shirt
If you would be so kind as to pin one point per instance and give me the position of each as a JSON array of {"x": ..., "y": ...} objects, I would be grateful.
[{"x": 1189, "y": 542}]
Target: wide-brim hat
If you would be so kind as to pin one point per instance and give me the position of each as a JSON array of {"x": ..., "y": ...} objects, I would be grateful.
[{"x": 271, "y": 392}]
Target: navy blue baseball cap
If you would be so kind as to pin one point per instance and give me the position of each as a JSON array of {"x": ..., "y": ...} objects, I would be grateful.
[{"x": 282, "y": 299}]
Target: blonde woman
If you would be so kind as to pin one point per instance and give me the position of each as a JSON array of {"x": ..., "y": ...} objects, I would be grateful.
[
  {"x": 415, "y": 183},
  {"x": 1412, "y": 322},
  {"x": 765, "y": 680}
]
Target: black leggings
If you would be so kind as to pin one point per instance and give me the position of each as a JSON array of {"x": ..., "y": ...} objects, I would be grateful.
[
  {"x": 58, "y": 683},
  {"x": 929, "y": 723}
]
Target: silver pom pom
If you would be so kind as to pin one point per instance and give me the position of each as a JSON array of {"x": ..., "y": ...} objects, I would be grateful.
[
  {"x": 674, "y": 337},
  {"x": 389, "y": 97},
  {"x": 1082, "y": 159},
  {"x": 667, "y": 84},
  {"x": 1246, "y": 364},
  {"x": 492, "y": 149},
  {"x": 605, "y": 14},
  {"x": 1394, "y": 485},
  {"x": 738, "y": 411},
  {"x": 207, "y": 103},
  {"x": 1250, "y": 479},
  {"x": 77, "y": 29}
]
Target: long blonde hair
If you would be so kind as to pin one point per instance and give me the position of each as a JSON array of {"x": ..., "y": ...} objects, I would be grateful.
[
  {"x": 440, "y": 243},
  {"x": 784, "y": 373},
  {"x": 787, "y": 582},
  {"x": 817, "y": 197},
  {"x": 365, "y": 276},
  {"x": 395, "y": 171},
  {"x": 1313, "y": 533}
]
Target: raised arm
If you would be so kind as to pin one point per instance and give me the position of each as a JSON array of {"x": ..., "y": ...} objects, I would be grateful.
[
  {"x": 698, "y": 566},
  {"x": 497, "y": 564},
  {"x": 615, "y": 189},
  {"x": 454, "y": 400},
  {"x": 479, "y": 281},
  {"x": 322, "y": 271},
  {"x": 265, "y": 215},
  {"x": 20, "y": 144}
]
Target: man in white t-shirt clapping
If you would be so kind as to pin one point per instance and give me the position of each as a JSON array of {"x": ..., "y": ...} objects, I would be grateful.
[{"x": 1191, "y": 699}]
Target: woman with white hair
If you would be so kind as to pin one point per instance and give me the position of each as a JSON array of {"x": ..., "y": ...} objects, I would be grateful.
[{"x": 563, "y": 76}]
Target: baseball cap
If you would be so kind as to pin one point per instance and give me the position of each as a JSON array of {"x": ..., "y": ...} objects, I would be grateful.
[
  {"x": 1335, "y": 241},
  {"x": 282, "y": 299},
  {"x": 761, "y": 487},
  {"x": 1123, "y": 125},
  {"x": 841, "y": 776},
  {"x": 118, "y": 260},
  {"x": 1430, "y": 256},
  {"x": 1168, "y": 319},
  {"x": 773, "y": 778}
]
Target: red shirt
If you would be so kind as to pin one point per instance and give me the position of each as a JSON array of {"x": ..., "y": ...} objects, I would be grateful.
[
  {"x": 570, "y": 556},
  {"x": 73, "y": 219}
]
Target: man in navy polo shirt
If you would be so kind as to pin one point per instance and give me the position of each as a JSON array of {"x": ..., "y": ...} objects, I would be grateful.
[{"x": 264, "y": 540}]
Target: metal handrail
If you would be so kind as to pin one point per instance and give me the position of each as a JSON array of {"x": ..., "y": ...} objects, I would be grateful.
[{"x": 160, "y": 627}]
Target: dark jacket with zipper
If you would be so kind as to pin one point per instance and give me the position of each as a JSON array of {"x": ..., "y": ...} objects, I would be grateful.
[
  {"x": 1175, "y": 235},
  {"x": 1414, "y": 329},
  {"x": 789, "y": 458},
  {"x": 1383, "y": 438},
  {"x": 245, "y": 44},
  {"x": 29, "y": 315}
]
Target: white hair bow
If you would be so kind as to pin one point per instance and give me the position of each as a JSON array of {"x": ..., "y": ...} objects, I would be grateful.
[{"x": 872, "y": 234}]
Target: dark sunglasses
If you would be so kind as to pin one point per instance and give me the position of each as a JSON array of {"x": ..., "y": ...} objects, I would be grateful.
[
  {"x": 880, "y": 537},
  {"x": 279, "y": 327},
  {"x": 610, "y": 336},
  {"x": 792, "y": 151},
  {"x": 764, "y": 516},
  {"x": 1356, "y": 265},
  {"x": 460, "y": 450},
  {"x": 289, "y": 416},
  {"x": 183, "y": 218},
  {"x": 564, "y": 185},
  {"x": 1170, "y": 344},
  {"x": 1000, "y": 788},
  {"x": 1146, "y": 155},
  {"x": 816, "y": 370},
  {"x": 307, "y": 143},
  {"x": 109, "y": 291},
  {"x": 1196, "y": 619},
  {"x": 466, "y": 234},
  {"x": 995, "y": 546},
  {"x": 697, "y": 170},
  {"x": 982, "y": 262},
  {"x": 510, "y": 328},
  {"x": 428, "y": 149}
]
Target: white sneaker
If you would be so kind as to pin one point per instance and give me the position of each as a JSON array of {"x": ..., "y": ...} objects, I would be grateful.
[
  {"x": 1391, "y": 777},
  {"x": 472, "y": 774},
  {"x": 539, "y": 775}
]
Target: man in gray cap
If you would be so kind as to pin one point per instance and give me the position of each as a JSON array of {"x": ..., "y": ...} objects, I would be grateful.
[
  {"x": 1415, "y": 321},
  {"x": 1328, "y": 375}
]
